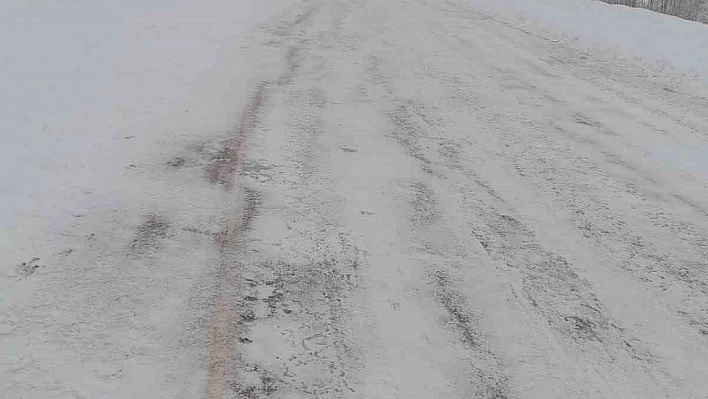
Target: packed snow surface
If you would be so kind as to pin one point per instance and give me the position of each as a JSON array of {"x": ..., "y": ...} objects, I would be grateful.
[{"x": 352, "y": 199}]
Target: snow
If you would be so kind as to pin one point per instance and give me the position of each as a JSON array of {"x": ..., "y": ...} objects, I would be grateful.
[
  {"x": 89, "y": 86},
  {"x": 660, "y": 40},
  {"x": 360, "y": 199},
  {"x": 668, "y": 46},
  {"x": 689, "y": 159}
]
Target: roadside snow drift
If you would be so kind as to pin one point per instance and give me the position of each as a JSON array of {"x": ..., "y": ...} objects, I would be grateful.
[{"x": 658, "y": 39}]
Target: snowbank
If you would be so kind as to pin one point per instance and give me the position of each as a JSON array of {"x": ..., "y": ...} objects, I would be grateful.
[
  {"x": 662, "y": 42},
  {"x": 657, "y": 39}
]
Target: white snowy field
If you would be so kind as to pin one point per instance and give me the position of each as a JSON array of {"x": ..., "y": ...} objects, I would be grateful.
[{"x": 87, "y": 87}]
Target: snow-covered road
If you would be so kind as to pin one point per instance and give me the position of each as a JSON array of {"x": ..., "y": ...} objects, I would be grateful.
[{"x": 419, "y": 200}]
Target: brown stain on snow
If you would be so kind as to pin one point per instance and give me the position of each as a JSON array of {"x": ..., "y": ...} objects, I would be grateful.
[
  {"x": 223, "y": 166},
  {"x": 224, "y": 324},
  {"x": 222, "y": 169},
  {"x": 222, "y": 334}
]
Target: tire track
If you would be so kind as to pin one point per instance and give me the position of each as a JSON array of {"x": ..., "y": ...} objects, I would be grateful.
[
  {"x": 487, "y": 377},
  {"x": 486, "y": 374},
  {"x": 644, "y": 259},
  {"x": 550, "y": 283},
  {"x": 675, "y": 263}
]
